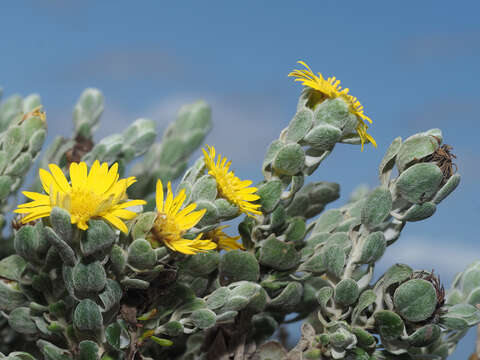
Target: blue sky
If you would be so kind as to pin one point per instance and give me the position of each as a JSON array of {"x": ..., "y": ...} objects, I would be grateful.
[{"x": 413, "y": 65}]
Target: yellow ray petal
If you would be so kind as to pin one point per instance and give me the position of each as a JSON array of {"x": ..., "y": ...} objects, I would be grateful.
[
  {"x": 115, "y": 221},
  {"x": 59, "y": 177},
  {"x": 159, "y": 196},
  {"x": 169, "y": 201}
]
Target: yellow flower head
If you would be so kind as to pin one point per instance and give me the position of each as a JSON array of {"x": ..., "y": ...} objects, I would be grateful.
[
  {"x": 229, "y": 186},
  {"x": 97, "y": 194},
  {"x": 172, "y": 223},
  {"x": 224, "y": 241},
  {"x": 330, "y": 88}
]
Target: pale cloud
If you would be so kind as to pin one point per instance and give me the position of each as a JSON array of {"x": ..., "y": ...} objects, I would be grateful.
[
  {"x": 440, "y": 112},
  {"x": 243, "y": 125},
  {"x": 447, "y": 258},
  {"x": 439, "y": 46},
  {"x": 126, "y": 63}
]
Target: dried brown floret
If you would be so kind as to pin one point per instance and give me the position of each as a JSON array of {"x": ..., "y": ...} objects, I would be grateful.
[
  {"x": 82, "y": 146},
  {"x": 443, "y": 156}
]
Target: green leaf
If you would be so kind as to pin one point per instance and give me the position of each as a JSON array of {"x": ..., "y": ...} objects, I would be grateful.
[
  {"x": 415, "y": 300},
  {"x": 367, "y": 298},
  {"x": 87, "y": 316},
  {"x": 288, "y": 298},
  {"x": 52, "y": 352},
  {"x": 12, "y": 267},
  {"x": 20, "y": 166},
  {"x": 390, "y": 325},
  {"x": 218, "y": 298},
  {"x": 415, "y": 148},
  {"x": 11, "y": 298},
  {"x": 203, "y": 318},
  {"x": 396, "y": 274},
  {"x": 373, "y": 248},
  {"x": 278, "y": 254},
  {"x": 323, "y": 295},
  {"x": 21, "y": 321},
  {"x": 254, "y": 293},
  {"x": 314, "y": 264},
  {"x": 87, "y": 112},
  {"x": 364, "y": 338},
  {"x": 117, "y": 336},
  {"x": 270, "y": 195},
  {"x": 201, "y": 264},
  {"x": 335, "y": 112},
  {"x": 143, "y": 224},
  {"x": 290, "y": 160},
  {"x": 377, "y": 207},
  {"x": 141, "y": 255},
  {"x": 420, "y": 182},
  {"x": 135, "y": 283},
  {"x": 173, "y": 328},
  {"x": 323, "y": 137},
  {"x": 162, "y": 342},
  {"x": 112, "y": 294},
  {"x": 204, "y": 188},
  {"x": 296, "y": 230},
  {"x": 388, "y": 161},
  {"x": 89, "y": 278},
  {"x": 64, "y": 250},
  {"x": 237, "y": 265},
  {"x": 346, "y": 292},
  {"x": 447, "y": 189},
  {"x": 211, "y": 216},
  {"x": 299, "y": 126},
  {"x": 61, "y": 223},
  {"x": 88, "y": 350},
  {"x": 328, "y": 221},
  {"x": 117, "y": 259},
  {"x": 14, "y": 142},
  {"x": 425, "y": 336},
  {"x": 98, "y": 240},
  {"x": 466, "y": 312},
  {"x": 334, "y": 259}
]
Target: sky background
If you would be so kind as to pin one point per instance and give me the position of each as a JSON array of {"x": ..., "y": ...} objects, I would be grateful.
[{"x": 412, "y": 64}]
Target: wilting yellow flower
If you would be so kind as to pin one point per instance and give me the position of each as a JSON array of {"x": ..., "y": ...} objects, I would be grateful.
[
  {"x": 229, "y": 186},
  {"x": 330, "y": 88},
  {"x": 37, "y": 111},
  {"x": 224, "y": 241},
  {"x": 172, "y": 223},
  {"x": 98, "y": 194}
]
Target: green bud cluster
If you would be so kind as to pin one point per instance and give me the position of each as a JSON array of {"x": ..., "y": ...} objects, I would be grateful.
[
  {"x": 22, "y": 133},
  {"x": 98, "y": 294},
  {"x": 168, "y": 159}
]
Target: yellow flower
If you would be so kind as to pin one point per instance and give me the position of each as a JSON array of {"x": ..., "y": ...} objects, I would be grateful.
[
  {"x": 224, "y": 241},
  {"x": 172, "y": 223},
  {"x": 321, "y": 89},
  {"x": 330, "y": 87},
  {"x": 229, "y": 186},
  {"x": 98, "y": 194},
  {"x": 37, "y": 111}
]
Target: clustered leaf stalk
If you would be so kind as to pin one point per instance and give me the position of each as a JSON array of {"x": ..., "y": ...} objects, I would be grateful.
[{"x": 100, "y": 265}]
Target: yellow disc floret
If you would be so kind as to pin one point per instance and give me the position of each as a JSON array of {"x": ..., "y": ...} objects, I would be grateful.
[
  {"x": 97, "y": 194},
  {"x": 230, "y": 187},
  {"x": 321, "y": 89},
  {"x": 173, "y": 222}
]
